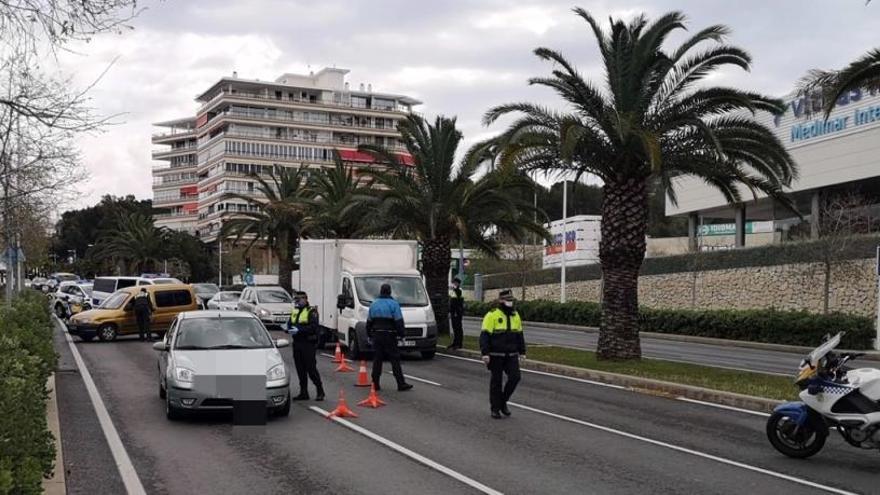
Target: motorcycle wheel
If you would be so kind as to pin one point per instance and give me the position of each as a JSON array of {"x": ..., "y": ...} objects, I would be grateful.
[{"x": 793, "y": 441}]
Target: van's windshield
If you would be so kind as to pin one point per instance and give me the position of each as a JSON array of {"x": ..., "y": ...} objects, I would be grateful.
[
  {"x": 115, "y": 301},
  {"x": 408, "y": 291}
]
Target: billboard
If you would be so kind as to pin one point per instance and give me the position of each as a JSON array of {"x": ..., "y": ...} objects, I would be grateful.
[{"x": 578, "y": 237}]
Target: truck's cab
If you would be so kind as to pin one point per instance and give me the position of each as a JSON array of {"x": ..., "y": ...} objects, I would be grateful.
[{"x": 359, "y": 289}]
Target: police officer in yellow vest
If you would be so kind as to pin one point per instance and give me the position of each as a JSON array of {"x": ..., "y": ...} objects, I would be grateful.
[
  {"x": 502, "y": 345},
  {"x": 303, "y": 328}
]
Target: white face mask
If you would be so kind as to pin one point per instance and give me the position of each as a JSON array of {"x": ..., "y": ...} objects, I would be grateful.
[{"x": 508, "y": 304}]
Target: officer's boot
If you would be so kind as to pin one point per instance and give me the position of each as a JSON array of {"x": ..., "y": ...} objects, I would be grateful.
[{"x": 320, "y": 395}]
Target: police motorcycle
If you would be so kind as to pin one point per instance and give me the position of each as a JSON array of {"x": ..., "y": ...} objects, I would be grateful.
[
  {"x": 69, "y": 307},
  {"x": 833, "y": 396}
]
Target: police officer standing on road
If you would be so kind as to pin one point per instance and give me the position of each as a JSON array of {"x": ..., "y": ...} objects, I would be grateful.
[
  {"x": 303, "y": 328},
  {"x": 384, "y": 327},
  {"x": 502, "y": 345},
  {"x": 143, "y": 312},
  {"x": 456, "y": 312}
]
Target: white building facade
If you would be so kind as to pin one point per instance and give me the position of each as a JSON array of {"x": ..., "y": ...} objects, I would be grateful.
[
  {"x": 841, "y": 153},
  {"x": 246, "y": 127}
]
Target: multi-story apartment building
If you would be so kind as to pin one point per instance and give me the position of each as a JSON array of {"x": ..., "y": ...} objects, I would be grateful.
[{"x": 246, "y": 127}]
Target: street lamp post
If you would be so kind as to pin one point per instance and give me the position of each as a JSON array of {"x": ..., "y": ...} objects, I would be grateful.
[
  {"x": 220, "y": 255},
  {"x": 564, "y": 237}
]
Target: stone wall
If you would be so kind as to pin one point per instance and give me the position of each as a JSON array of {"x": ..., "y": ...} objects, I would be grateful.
[{"x": 852, "y": 289}]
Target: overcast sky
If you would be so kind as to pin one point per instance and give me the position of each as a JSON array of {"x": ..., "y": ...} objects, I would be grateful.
[{"x": 459, "y": 57}]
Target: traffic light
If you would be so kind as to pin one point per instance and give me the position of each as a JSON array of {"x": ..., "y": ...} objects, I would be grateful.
[{"x": 247, "y": 263}]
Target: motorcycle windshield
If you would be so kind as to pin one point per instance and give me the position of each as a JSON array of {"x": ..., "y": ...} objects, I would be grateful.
[{"x": 818, "y": 353}]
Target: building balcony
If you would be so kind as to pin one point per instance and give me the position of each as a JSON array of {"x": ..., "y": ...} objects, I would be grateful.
[
  {"x": 173, "y": 136},
  {"x": 168, "y": 153},
  {"x": 183, "y": 198},
  {"x": 176, "y": 216},
  {"x": 345, "y": 143},
  {"x": 164, "y": 182},
  {"x": 314, "y": 103}
]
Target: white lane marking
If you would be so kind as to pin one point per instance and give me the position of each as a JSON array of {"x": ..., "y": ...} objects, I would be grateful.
[
  {"x": 411, "y": 454},
  {"x": 126, "y": 469},
  {"x": 429, "y": 382},
  {"x": 722, "y": 406},
  {"x": 536, "y": 372},
  {"x": 686, "y": 450}
]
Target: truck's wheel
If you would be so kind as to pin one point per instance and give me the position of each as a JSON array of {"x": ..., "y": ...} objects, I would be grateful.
[
  {"x": 428, "y": 354},
  {"x": 354, "y": 348}
]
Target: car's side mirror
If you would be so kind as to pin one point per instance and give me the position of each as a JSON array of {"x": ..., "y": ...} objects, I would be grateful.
[
  {"x": 160, "y": 346},
  {"x": 282, "y": 343}
]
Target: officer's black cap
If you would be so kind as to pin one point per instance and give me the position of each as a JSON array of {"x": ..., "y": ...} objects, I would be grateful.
[{"x": 506, "y": 295}]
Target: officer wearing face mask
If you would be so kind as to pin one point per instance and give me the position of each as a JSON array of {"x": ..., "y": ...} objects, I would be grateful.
[
  {"x": 502, "y": 346},
  {"x": 303, "y": 328}
]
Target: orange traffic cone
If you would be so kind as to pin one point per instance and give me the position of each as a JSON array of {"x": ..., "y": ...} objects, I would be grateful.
[
  {"x": 344, "y": 367},
  {"x": 372, "y": 400},
  {"x": 337, "y": 355},
  {"x": 363, "y": 381},
  {"x": 342, "y": 410}
]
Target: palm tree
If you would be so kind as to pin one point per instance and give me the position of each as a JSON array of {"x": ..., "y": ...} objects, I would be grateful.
[
  {"x": 437, "y": 203},
  {"x": 279, "y": 219},
  {"x": 341, "y": 201},
  {"x": 863, "y": 73},
  {"x": 134, "y": 241},
  {"x": 649, "y": 122}
]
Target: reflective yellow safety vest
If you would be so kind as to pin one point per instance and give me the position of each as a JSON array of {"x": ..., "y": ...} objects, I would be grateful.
[
  {"x": 496, "y": 321},
  {"x": 300, "y": 316}
]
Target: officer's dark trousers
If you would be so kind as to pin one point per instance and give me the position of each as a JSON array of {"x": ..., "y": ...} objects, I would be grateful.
[
  {"x": 499, "y": 365},
  {"x": 457, "y": 332},
  {"x": 143, "y": 322},
  {"x": 306, "y": 366},
  {"x": 385, "y": 347}
]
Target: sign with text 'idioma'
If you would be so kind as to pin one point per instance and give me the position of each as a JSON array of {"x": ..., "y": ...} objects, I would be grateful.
[{"x": 730, "y": 228}]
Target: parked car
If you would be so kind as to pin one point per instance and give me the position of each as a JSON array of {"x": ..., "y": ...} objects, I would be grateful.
[
  {"x": 223, "y": 349},
  {"x": 226, "y": 300},
  {"x": 38, "y": 282},
  {"x": 205, "y": 292},
  {"x": 104, "y": 286},
  {"x": 272, "y": 305},
  {"x": 58, "y": 277},
  {"x": 70, "y": 292},
  {"x": 115, "y": 316}
]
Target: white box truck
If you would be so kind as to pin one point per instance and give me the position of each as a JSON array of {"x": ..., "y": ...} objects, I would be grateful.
[{"x": 343, "y": 277}]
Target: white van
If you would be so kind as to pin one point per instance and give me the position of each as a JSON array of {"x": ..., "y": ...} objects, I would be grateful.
[{"x": 104, "y": 286}]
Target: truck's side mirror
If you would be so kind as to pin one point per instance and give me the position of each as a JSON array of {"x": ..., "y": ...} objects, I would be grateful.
[{"x": 340, "y": 302}]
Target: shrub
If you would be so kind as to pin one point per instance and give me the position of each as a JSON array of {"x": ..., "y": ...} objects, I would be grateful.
[
  {"x": 771, "y": 326},
  {"x": 27, "y": 358}
]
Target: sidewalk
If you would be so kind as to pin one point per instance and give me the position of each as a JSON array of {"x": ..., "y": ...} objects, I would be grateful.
[
  {"x": 56, "y": 485},
  {"x": 869, "y": 355}
]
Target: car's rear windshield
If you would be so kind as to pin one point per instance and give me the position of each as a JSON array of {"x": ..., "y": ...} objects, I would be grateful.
[
  {"x": 221, "y": 333},
  {"x": 115, "y": 301},
  {"x": 206, "y": 288},
  {"x": 229, "y": 296},
  {"x": 160, "y": 281},
  {"x": 273, "y": 296},
  {"x": 107, "y": 285}
]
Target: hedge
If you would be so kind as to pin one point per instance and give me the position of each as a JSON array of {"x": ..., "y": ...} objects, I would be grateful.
[
  {"x": 27, "y": 449},
  {"x": 859, "y": 247},
  {"x": 771, "y": 326}
]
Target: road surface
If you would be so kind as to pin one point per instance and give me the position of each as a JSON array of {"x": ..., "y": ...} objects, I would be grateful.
[
  {"x": 565, "y": 436},
  {"x": 776, "y": 362}
]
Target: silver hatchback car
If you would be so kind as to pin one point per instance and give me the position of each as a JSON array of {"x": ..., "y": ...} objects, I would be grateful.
[{"x": 210, "y": 359}]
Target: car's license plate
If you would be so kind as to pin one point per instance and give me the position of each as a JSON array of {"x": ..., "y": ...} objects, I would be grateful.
[
  {"x": 406, "y": 343},
  {"x": 281, "y": 319}
]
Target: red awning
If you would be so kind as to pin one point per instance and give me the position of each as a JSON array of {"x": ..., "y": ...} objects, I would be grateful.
[
  {"x": 189, "y": 190},
  {"x": 191, "y": 207},
  {"x": 201, "y": 120},
  {"x": 360, "y": 156}
]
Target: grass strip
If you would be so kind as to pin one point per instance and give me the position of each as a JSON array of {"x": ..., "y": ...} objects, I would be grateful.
[{"x": 741, "y": 382}]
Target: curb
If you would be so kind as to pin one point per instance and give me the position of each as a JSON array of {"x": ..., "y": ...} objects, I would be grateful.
[
  {"x": 645, "y": 385},
  {"x": 57, "y": 484},
  {"x": 691, "y": 339}
]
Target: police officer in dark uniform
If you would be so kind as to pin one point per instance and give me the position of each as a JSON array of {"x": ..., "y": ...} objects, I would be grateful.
[
  {"x": 456, "y": 312},
  {"x": 502, "y": 345},
  {"x": 304, "y": 327},
  {"x": 384, "y": 327},
  {"x": 143, "y": 313}
]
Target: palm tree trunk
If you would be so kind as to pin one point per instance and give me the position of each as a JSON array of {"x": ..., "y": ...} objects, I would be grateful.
[
  {"x": 621, "y": 252},
  {"x": 436, "y": 257},
  {"x": 286, "y": 248}
]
